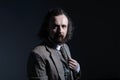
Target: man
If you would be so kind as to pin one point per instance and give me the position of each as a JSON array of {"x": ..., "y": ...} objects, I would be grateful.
[{"x": 51, "y": 60}]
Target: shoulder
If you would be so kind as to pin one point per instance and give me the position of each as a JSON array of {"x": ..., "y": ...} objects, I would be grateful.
[
  {"x": 37, "y": 55},
  {"x": 40, "y": 51},
  {"x": 39, "y": 48}
]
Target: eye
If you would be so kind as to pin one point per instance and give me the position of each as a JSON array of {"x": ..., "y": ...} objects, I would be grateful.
[
  {"x": 55, "y": 26},
  {"x": 64, "y": 26}
]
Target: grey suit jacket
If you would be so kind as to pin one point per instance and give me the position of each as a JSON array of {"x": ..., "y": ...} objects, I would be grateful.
[{"x": 45, "y": 64}]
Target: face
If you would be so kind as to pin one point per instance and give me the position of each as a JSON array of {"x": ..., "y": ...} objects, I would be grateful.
[{"x": 58, "y": 30}]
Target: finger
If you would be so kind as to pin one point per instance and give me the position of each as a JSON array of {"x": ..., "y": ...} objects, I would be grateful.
[
  {"x": 72, "y": 66},
  {"x": 72, "y": 63},
  {"x": 72, "y": 60}
]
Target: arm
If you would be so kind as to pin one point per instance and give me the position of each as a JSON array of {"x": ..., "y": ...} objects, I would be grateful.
[{"x": 36, "y": 67}]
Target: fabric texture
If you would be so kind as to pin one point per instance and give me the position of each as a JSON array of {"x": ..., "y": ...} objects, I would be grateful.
[{"x": 45, "y": 64}]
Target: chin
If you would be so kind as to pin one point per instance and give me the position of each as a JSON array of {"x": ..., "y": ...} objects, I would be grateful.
[{"x": 60, "y": 41}]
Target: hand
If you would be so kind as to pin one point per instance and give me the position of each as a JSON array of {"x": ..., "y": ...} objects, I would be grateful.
[{"x": 73, "y": 64}]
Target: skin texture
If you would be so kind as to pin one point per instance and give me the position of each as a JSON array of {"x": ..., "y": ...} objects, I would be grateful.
[
  {"x": 73, "y": 64},
  {"x": 58, "y": 33},
  {"x": 59, "y": 28}
]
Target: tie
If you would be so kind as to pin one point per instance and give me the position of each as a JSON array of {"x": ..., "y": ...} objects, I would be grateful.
[
  {"x": 64, "y": 53},
  {"x": 63, "y": 56},
  {"x": 64, "y": 59}
]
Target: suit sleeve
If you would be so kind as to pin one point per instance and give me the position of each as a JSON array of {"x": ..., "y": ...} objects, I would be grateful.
[
  {"x": 36, "y": 68},
  {"x": 77, "y": 75}
]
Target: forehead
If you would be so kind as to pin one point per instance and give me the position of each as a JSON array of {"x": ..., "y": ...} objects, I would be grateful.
[{"x": 61, "y": 19}]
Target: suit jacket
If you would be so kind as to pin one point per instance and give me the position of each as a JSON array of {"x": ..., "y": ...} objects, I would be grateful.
[{"x": 45, "y": 64}]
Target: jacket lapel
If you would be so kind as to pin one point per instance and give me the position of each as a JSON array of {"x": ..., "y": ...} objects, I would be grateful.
[{"x": 56, "y": 60}]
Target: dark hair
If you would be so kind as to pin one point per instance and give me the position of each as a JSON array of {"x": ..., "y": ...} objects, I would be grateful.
[{"x": 44, "y": 30}]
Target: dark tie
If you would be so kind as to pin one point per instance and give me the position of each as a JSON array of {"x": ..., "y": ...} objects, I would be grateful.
[
  {"x": 63, "y": 56},
  {"x": 64, "y": 59},
  {"x": 64, "y": 53}
]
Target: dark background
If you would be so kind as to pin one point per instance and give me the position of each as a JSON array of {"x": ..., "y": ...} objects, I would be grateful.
[{"x": 95, "y": 44}]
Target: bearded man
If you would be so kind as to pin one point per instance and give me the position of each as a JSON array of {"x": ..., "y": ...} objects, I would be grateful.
[{"x": 51, "y": 60}]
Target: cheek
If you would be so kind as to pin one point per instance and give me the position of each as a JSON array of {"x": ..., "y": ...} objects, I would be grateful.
[
  {"x": 66, "y": 31},
  {"x": 52, "y": 32}
]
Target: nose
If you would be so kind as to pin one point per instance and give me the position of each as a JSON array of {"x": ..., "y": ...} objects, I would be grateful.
[{"x": 60, "y": 29}]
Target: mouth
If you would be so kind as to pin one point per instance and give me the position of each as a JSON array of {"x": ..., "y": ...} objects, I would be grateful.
[
  {"x": 59, "y": 38},
  {"x": 60, "y": 35}
]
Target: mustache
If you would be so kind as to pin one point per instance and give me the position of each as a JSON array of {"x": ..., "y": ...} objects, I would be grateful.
[{"x": 59, "y": 35}]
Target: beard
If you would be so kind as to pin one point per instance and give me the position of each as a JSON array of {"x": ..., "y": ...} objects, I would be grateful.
[{"x": 58, "y": 39}]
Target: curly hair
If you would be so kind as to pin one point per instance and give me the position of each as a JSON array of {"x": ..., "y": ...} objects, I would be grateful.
[{"x": 44, "y": 30}]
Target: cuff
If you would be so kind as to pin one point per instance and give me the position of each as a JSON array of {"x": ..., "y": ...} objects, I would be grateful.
[{"x": 78, "y": 68}]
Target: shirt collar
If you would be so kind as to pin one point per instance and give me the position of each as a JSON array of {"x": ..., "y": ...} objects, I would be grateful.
[{"x": 58, "y": 47}]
